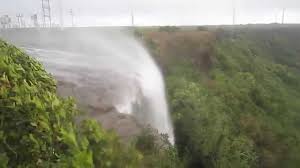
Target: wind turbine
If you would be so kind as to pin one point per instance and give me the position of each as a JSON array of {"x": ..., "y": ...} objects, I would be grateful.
[
  {"x": 132, "y": 19},
  {"x": 233, "y": 12},
  {"x": 283, "y": 16},
  {"x": 61, "y": 17},
  {"x": 72, "y": 16}
]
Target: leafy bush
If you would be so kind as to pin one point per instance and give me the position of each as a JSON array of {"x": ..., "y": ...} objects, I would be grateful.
[
  {"x": 37, "y": 127},
  {"x": 157, "y": 150}
]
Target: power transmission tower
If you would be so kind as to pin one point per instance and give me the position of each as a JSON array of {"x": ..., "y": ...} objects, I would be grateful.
[
  {"x": 283, "y": 15},
  {"x": 46, "y": 13},
  {"x": 20, "y": 20},
  {"x": 5, "y": 21},
  {"x": 72, "y": 16},
  {"x": 34, "y": 19}
]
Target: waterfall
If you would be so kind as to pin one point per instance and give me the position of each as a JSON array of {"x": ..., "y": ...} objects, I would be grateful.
[{"x": 114, "y": 67}]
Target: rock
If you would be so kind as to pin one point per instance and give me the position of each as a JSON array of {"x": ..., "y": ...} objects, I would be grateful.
[{"x": 126, "y": 126}]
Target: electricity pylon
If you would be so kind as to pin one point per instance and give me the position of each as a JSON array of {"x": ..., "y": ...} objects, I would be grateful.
[
  {"x": 20, "y": 20},
  {"x": 46, "y": 13},
  {"x": 34, "y": 19}
]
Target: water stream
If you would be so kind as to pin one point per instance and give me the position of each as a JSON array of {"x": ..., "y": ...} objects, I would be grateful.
[{"x": 115, "y": 68}]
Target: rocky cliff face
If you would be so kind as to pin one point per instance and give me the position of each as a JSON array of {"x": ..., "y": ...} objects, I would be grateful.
[{"x": 98, "y": 103}]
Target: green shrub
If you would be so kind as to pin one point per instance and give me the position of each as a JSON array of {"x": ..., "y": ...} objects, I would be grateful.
[
  {"x": 37, "y": 127},
  {"x": 157, "y": 150}
]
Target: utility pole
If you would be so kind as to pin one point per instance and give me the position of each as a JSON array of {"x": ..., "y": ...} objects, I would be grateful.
[
  {"x": 46, "y": 13},
  {"x": 20, "y": 20},
  {"x": 72, "y": 16},
  {"x": 283, "y": 15}
]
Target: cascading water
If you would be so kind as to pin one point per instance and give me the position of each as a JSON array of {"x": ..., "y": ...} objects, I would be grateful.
[{"x": 112, "y": 67}]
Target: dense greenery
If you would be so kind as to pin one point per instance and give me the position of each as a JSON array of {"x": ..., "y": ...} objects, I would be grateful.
[
  {"x": 244, "y": 110},
  {"x": 38, "y": 129},
  {"x": 234, "y": 95},
  {"x": 157, "y": 151}
]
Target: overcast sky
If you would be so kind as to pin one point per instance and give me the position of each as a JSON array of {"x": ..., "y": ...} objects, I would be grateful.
[{"x": 158, "y": 12}]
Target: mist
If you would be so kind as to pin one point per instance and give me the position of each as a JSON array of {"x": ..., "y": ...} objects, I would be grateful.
[{"x": 108, "y": 71}]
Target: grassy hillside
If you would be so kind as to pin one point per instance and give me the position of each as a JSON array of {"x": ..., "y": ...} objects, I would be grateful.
[
  {"x": 38, "y": 129},
  {"x": 234, "y": 94}
]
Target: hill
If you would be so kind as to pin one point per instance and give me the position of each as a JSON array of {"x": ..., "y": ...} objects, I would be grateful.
[{"x": 234, "y": 93}]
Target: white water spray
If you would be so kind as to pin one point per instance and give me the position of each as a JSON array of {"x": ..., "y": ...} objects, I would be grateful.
[{"x": 114, "y": 67}]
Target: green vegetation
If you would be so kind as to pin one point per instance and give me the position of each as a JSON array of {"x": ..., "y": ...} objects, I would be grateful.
[
  {"x": 38, "y": 128},
  {"x": 235, "y": 99},
  {"x": 157, "y": 151}
]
